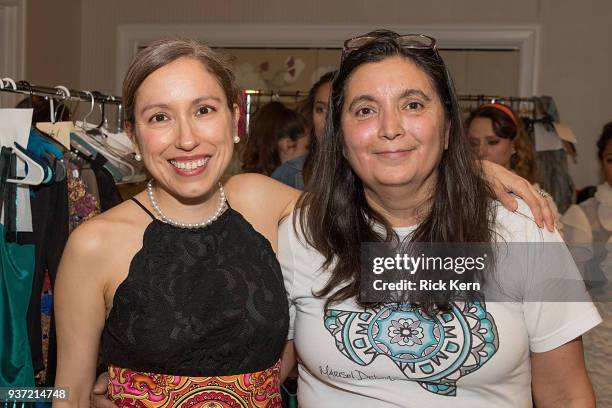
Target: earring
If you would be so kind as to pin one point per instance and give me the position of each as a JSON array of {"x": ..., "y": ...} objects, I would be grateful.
[
  {"x": 137, "y": 157},
  {"x": 236, "y": 139},
  {"x": 513, "y": 150}
]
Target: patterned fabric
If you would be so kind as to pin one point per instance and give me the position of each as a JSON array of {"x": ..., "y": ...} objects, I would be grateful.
[
  {"x": 129, "y": 388},
  {"x": 81, "y": 204}
]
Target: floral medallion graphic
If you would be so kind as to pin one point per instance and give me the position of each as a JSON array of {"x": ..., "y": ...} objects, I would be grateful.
[{"x": 434, "y": 351}]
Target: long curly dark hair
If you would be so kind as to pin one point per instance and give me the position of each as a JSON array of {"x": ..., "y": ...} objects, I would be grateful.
[{"x": 336, "y": 217}]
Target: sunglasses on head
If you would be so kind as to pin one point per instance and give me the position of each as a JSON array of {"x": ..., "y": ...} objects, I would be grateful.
[{"x": 412, "y": 41}]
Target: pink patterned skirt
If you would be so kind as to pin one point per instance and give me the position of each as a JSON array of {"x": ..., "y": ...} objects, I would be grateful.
[{"x": 129, "y": 388}]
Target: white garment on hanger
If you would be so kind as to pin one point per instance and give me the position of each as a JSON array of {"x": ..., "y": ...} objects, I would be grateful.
[{"x": 15, "y": 127}]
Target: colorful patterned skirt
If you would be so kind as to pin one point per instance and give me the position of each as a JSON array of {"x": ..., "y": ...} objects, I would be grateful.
[{"x": 129, "y": 388}]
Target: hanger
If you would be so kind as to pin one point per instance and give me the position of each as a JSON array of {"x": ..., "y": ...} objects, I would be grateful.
[
  {"x": 10, "y": 81},
  {"x": 28, "y": 87},
  {"x": 65, "y": 95},
  {"x": 84, "y": 124},
  {"x": 103, "y": 114},
  {"x": 35, "y": 175}
]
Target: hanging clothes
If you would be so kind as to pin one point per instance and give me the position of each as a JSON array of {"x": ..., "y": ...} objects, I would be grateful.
[
  {"x": 81, "y": 204},
  {"x": 50, "y": 225},
  {"x": 552, "y": 168},
  {"x": 16, "y": 273}
]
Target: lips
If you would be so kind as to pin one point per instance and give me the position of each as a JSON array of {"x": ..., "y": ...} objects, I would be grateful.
[
  {"x": 189, "y": 164},
  {"x": 395, "y": 154}
]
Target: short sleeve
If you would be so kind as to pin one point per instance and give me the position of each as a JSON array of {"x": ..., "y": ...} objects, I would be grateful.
[
  {"x": 552, "y": 324},
  {"x": 287, "y": 263}
]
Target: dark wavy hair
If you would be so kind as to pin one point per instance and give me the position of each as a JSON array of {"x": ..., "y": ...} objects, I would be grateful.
[
  {"x": 271, "y": 123},
  {"x": 309, "y": 112},
  {"x": 523, "y": 160},
  {"x": 604, "y": 139},
  {"x": 336, "y": 217}
]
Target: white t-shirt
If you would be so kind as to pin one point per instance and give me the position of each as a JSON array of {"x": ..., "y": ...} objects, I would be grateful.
[{"x": 351, "y": 357}]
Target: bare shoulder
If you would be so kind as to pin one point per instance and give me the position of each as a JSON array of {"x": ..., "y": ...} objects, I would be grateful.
[
  {"x": 106, "y": 233},
  {"x": 251, "y": 192},
  {"x": 248, "y": 186}
]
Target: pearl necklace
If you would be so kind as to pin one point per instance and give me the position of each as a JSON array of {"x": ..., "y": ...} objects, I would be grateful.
[{"x": 168, "y": 220}]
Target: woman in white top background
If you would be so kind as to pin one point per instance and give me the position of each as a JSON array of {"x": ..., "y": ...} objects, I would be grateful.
[{"x": 588, "y": 231}]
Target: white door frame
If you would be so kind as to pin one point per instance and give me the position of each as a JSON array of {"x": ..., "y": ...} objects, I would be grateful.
[
  {"x": 525, "y": 39},
  {"x": 12, "y": 43}
]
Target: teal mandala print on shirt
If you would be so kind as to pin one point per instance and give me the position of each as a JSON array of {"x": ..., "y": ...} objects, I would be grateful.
[{"x": 435, "y": 352}]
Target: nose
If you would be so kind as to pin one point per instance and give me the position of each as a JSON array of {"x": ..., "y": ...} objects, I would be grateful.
[
  {"x": 186, "y": 139},
  {"x": 481, "y": 151},
  {"x": 391, "y": 124}
]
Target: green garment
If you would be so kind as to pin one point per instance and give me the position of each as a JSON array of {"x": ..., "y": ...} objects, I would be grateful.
[{"x": 16, "y": 274}]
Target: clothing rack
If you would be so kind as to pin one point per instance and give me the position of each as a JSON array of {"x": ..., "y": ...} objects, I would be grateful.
[
  {"x": 492, "y": 99},
  {"x": 250, "y": 93},
  {"x": 61, "y": 92}
]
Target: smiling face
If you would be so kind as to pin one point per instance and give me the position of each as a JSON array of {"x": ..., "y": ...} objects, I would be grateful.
[
  {"x": 183, "y": 128},
  {"x": 486, "y": 145},
  {"x": 394, "y": 126}
]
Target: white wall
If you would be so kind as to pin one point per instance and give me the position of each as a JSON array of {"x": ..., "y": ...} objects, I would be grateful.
[{"x": 574, "y": 57}]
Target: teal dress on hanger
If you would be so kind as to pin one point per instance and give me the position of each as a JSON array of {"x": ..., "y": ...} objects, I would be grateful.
[{"x": 16, "y": 274}]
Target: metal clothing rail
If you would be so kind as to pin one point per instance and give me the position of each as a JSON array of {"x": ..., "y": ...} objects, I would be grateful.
[
  {"x": 250, "y": 93},
  {"x": 492, "y": 98},
  {"x": 60, "y": 92}
]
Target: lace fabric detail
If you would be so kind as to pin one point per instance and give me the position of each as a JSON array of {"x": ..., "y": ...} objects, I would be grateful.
[
  {"x": 260, "y": 389},
  {"x": 199, "y": 302}
]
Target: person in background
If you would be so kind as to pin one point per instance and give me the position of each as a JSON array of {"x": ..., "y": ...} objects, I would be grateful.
[
  {"x": 588, "y": 232},
  {"x": 496, "y": 133},
  {"x": 277, "y": 134},
  {"x": 295, "y": 172},
  {"x": 395, "y": 166}
]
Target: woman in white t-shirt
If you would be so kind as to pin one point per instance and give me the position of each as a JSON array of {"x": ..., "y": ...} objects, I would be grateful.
[{"x": 395, "y": 162}]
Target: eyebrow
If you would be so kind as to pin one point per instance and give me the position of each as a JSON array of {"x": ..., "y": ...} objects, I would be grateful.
[
  {"x": 415, "y": 92},
  {"x": 194, "y": 102},
  {"x": 406, "y": 94}
]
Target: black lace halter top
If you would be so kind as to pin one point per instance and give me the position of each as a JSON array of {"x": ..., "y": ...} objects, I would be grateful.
[{"x": 199, "y": 302}]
